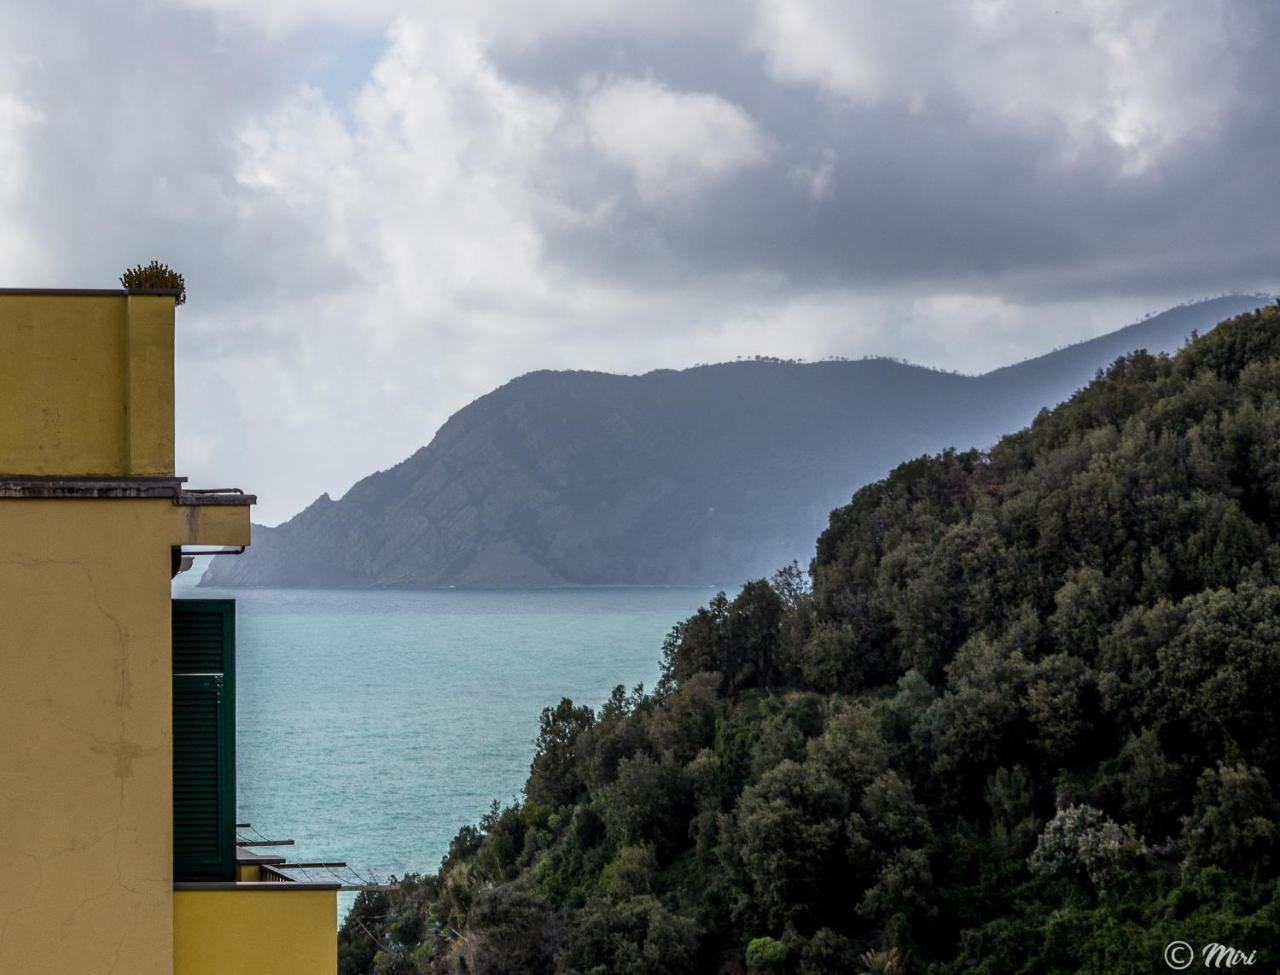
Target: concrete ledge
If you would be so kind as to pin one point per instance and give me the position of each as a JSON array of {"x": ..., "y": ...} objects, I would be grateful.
[
  {"x": 59, "y": 486},
  {"x": 205, "y": 498},
  {"x": 91, "y": 486}
]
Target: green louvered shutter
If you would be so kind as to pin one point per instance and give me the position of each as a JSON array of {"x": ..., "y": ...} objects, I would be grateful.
[{"x": 204, "y": 724}]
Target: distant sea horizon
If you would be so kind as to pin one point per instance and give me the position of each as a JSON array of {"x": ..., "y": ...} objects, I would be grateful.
[{"x": 372, "y": 724}]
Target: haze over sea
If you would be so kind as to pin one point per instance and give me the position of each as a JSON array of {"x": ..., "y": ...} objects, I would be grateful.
[{"x": 371, "y": 725}]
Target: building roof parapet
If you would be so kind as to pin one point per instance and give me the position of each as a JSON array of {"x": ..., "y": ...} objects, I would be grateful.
[{"x": 92, "y": 292}]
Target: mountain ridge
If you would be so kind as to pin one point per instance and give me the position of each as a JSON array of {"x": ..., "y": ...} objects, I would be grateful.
[{"x": 578, "y": 477}]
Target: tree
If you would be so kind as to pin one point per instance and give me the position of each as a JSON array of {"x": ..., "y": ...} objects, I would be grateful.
[
  {"x": 852, "y": 748},
  {"x": 788, "y": 829},
  {"x": 755, "y": 617},
  {"x": 833, "y": 659},
  {"x": 1234, "y": 820},
  {"x": 1085, "y": 841},
  {"x": 610, "y": 739},
  {"x": 686, "y": 722},
  {"x": 631, "y": 873},
  {"x": 155, "y": 275},
  {"x": 510, "y": 932},
  {"x": 827, "y": 953},
  {"x": 981, "y": 721},
  {"x": 1220, "y": 676},
  {"x": 555, "y": 777},
  {"x": 634, "y": 937},
  {"x": 889, "y": 843},
  {"x": 1059, "y": 695},
  {"x": 1152, "y": 785},
  {"x": 780, "y": 739},
  {"x": 1082, "y": 612},
  {"x": 766, "y": 955},
  {"x": 646, "y": 803},
  {"x": 696, "y": 646},
  {"x": 1010, "y": 796}
]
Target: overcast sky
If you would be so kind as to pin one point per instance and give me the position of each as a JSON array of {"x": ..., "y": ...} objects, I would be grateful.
[{"x": 384, "y": 210}]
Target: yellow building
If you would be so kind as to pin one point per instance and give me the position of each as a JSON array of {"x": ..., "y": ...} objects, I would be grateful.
[{"x": 117, "y": 771}]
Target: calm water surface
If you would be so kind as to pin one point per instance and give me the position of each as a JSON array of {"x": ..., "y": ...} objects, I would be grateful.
[{"x": 371, "y": 725}]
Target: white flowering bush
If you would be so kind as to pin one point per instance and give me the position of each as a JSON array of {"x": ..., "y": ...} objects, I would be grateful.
[{"x": 1085, "y": 839}]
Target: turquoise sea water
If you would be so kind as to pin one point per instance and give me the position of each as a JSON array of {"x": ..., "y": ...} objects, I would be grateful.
[{"x": 370, "y": 726}]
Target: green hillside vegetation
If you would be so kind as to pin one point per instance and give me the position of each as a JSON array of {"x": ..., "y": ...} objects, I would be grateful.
[{"x": 1024, "y": 720}]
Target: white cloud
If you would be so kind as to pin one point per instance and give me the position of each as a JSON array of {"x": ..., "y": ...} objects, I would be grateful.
[
  {"x": 670, "y": 141},
  {"x": 1140, "y": 77},
  {"x": 836, "y": 44},
  {"x": 425, "y": 194}
]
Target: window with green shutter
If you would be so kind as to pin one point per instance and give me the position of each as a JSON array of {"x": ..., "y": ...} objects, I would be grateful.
[{"x": 204, "y": 739}]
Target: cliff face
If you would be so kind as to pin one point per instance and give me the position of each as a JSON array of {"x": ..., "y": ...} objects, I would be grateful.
[{"x": 692, "y": 477}]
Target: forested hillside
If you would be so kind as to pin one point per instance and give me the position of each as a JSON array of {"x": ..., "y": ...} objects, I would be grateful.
[
  {"x": 701, "y": 476},
  {"x": 1025, "y": 720}
]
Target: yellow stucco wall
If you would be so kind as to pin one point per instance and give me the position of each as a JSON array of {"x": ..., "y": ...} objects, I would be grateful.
[
  {"x": 215, "y": 524},
  {"x": 255, "y": 931},
  {"x": 85, "y": 739},
  {"x": 87, "y": 384}
]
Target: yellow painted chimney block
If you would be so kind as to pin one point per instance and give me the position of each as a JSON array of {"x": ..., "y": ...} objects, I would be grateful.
[{"x": 86, "y": 384}]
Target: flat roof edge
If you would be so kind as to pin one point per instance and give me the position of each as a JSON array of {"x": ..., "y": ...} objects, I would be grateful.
[{"x": 92, "y": 292}]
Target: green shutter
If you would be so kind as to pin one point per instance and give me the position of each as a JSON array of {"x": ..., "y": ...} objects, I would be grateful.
[{"x": 204, "y": 740}]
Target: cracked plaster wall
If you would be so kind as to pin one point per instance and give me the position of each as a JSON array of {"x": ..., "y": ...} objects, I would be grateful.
[{"x": 85, "y": 751}]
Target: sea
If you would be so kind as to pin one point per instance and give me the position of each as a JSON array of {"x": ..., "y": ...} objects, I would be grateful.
[{"x": 371, "y": 725}]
